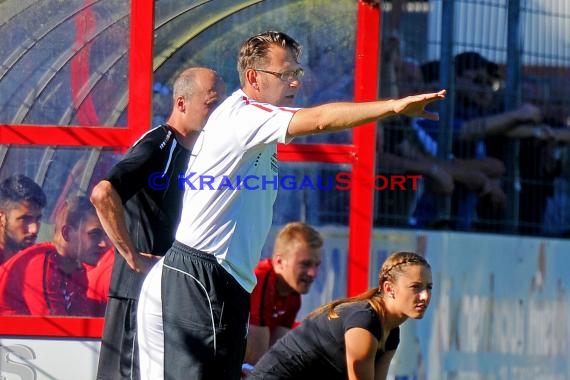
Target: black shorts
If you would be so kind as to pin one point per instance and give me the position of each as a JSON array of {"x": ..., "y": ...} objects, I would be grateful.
[
  {"x": 118, "y": 358},
  {"x": 205, "y": 313}
]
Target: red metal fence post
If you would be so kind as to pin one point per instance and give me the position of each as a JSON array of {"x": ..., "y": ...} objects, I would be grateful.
[{"x": 364, "y": 137}]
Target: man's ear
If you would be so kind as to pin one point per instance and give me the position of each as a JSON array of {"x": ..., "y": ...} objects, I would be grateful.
[
  {"x": 251, "y": 78},
  {"x": 180, "y": 103},
  {"x": 66, "y": 232},
  {"x": 3, "y": 218},
  {"x": 277, "y": 261}
]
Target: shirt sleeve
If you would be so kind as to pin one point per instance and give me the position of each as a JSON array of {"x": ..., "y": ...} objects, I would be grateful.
[
  {"x": 366, "y": 318},
  {"x": 12, "y": 301},
  {"x": 262, "y": 123},
  {"x": 133, "y": 172},
  {"x": 363, "y": 316}
]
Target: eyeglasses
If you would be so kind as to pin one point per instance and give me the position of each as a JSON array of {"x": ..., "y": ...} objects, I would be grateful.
[{"x": 287, "y": 76}]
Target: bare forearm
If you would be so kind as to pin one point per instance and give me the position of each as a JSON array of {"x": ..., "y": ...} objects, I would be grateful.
[
  {"x": 472, "y": 179},
  {"x": 438, "y": 179},
  {"x": 277, "y": 333},
  {"x": 489, "y": 166},
  {"x": 111, "y": 214},
  {"x": 522, "y": 132},
  {"x": 391, "y": 163},
  {"x": 258, "y": 339},
  {"x": 488, "y": 126},
  {"x": 333, "y": 117},
  {"x": 541, "y": 132}
]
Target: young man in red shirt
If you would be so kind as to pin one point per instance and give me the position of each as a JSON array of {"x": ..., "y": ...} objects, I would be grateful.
[
  {"x": 21, "y": 204},
  {"x": 281, "y": 280},
  {"x": 51, "y": 278}
]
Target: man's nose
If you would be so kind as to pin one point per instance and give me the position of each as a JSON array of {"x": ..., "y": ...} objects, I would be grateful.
[
  {"x": 295, "y": 82},
  {"x": 34, "y": 227},
  {"x": 312, "y": 271},
  {"x": 104, "y": 243}
]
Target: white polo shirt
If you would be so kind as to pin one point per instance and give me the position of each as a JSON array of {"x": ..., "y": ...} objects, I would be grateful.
[{"x": 231, "y": 184}]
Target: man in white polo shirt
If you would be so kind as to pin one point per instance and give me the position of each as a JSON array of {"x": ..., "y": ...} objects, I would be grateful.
[{"x": 194, "y": 305}]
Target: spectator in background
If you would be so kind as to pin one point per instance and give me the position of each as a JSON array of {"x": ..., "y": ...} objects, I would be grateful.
[
  {"x": 537, "y": 160},
  {"x": 51, "y": 278},
  {"x": 476, "y": 107},
  {"x": 555, "y": 160},
  {"x": 139, "y": 204},
  {"x": 401, "y": 76},
  {"x": 478, "y": 121},
  {"x": 476, "y": 175},
  {"x": 484, "y": 124},
  {"x": 21, "y": 204},
  {"x": 281, "y": 281}
]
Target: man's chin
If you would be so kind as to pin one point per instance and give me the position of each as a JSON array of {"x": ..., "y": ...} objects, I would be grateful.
[
  {"x": 304, "y": 289},
  {"x": 92, "y": 259},
  {"x": 28, "y": 242},
  {"x": 288, "y": 101}
]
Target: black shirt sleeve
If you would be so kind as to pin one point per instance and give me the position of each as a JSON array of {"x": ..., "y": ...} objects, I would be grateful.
[
  {"x": 361, "y": 315},
  {"x": 144, "y": 158}
]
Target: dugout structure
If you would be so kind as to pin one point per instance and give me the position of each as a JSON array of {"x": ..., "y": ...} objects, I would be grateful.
[{"x": 78, "y": 83}]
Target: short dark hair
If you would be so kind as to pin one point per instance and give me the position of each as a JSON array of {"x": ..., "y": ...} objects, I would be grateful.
[
  {"x": 471, "y": 60},
  {"x": 19, "y": 188},
  {"x": 430, "y": 71}
]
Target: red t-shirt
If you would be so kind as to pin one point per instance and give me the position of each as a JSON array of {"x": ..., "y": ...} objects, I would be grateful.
[
  {"x": 268, "y": 308},
  {"x": 99, "y": 277},
  {"x": 33, "y": 283}
]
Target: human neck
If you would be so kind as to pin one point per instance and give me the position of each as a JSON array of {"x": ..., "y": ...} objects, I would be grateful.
[
  {"x": 391, "y": 320},
  {"x": 68, "y": 265},
  {"x": 282, "y": 288},
  {"x": 7, "y": 250},
  {"x": 186, "y": 138}
]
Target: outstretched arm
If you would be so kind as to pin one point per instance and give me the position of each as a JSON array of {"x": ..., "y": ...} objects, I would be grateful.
[
  {"x": 111, "y": 214},
  {"x": 333, "y": 117}
]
